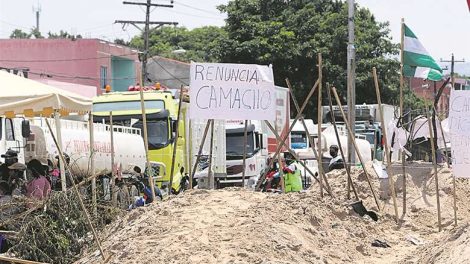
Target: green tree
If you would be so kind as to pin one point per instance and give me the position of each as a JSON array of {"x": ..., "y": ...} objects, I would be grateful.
[
  {"x": 289, "y": 34},
  {"x": 19, "y": 34},
  {"x": 199, "y": 44},
  {"x": 63, "y": 35}
]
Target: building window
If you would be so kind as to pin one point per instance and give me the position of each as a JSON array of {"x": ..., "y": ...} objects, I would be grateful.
[{"x": 103, "y": 76}]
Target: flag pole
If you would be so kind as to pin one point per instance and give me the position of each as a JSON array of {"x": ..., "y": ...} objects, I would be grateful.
[{"x": 402, "y": 109}]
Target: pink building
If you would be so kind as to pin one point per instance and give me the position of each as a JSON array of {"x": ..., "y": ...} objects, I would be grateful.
[{"x": 90, "y": 62}]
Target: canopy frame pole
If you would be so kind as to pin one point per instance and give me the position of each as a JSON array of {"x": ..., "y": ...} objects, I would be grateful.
[{"x": 63, "y": 179}]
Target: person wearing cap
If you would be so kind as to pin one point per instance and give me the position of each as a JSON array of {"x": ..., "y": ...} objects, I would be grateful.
[
  {"x": 336, "y": 161},
  {"x": 11, "y": 157},
  {"x": 39, "y": 187}
]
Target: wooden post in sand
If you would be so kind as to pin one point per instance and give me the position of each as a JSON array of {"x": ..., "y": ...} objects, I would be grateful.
[
  {"x": 348, "y": 170},
  {"x": 319, "y": 121},
  {"x": 453, "y": 178},
  {"x": 245, "y": 139},
  {"x": 402, "y": 110},
  {"x": 436, "y": 178},
  {"x": 210, "y": 172},
  {"x": 175, "y": 143},
  {"x": 92, "y": 162},
  {"x": 387, "y": 155},
  {"x": 113, "y": 175},
  {"x": 355, "y": 145},
  {"x": 199, "y": 153}
]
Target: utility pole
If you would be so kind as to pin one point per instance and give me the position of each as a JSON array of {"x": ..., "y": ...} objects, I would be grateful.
[
  {"x": 351, "y": 80},
  {"x": 452, "y": 62},
  {"x": 148, "y": 4},
  {"x": 37, "y": 10}
]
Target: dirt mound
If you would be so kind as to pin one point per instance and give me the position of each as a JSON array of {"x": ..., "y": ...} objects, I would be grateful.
[
  {"x": 452, "y": 248},
  {"x": 240, "y": 226}
]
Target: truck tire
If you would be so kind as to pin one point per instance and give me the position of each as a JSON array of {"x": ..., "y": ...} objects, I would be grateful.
[{"x": 123, "y": 197}]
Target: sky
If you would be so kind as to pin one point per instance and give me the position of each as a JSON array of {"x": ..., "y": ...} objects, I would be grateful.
[{"x": 442, "y": 25}]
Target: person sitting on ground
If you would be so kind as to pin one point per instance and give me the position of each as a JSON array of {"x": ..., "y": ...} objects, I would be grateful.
[
  {"x": 39, "y": 187},
  {"x": 336, "y": 162}
]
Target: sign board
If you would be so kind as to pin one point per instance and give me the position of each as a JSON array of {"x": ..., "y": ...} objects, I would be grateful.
[
  {"x": 459, "y": 128},
  {"x": 231, "y": 91}
]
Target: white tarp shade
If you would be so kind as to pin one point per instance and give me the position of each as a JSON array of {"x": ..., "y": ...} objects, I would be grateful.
[{"x": 23, "y": 96}]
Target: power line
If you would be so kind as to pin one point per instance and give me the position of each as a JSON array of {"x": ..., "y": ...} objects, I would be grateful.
[
  {"x": 195, "y": 8},
  {"x": 183, "y": 13},
  {"x": 76, "y": 59}
]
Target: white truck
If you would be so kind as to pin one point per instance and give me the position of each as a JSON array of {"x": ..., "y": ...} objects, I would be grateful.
[
  {"x": 261, "y": 143},
  {"x": 32, "y": 140}
]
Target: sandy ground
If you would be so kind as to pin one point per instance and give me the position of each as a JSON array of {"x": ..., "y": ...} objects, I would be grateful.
[{"x": 240, "y": 226}]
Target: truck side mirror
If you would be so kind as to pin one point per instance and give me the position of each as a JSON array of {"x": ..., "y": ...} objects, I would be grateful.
[
  {"x": 25, "y": 128},
  {"x": 174, "y": 126},
  {"x": 261, "y": 145}
]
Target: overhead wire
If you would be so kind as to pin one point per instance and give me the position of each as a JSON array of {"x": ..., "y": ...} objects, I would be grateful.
[{"x": 73, "y": 59}]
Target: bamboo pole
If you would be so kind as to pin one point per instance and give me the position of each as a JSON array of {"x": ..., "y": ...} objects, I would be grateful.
[
  {"x": 113, "y": 175},
  {"x": 175, "y": 144},
  {"x": 209, "y": 169},
  {"x": 63, "y": 179},
  {"x": 436, "y": 178},
  {"x": 387, "y": 155},
  {"x": 348, "y": 171},
  {"x": 402, "y": 110},
  {"x": 453, "y": 178},
  {"x": 92, "y": 162},
  {"x": 199, "y": 153},
  {"x": 17, "y": 260},
  {"x": 355, "y": 145},
  {"x": 146, "y": 139},
  {"x": 77, "y": 192},
  {"x": 189, "y": 151},
  {"x": 296, "y": 104},
  {"x": 319, "y": 121},
  {"x": 245, "y": 139}
]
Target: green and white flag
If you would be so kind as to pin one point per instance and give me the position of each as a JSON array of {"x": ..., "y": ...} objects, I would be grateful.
[
  {"x": 414, "y": 53},
  {"x": 421, "y": 72}
]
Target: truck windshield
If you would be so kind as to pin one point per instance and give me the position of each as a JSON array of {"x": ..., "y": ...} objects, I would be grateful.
[
  {"x": 127, "y": 105},
  {"x": 157, "y": 133},
  {"x": 234, "y": 144},
  {"x": 299, "y": 140}
]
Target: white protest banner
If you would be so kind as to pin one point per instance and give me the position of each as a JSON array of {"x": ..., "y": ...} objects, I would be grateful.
[
  {"x": 459, "y": 128},
  {"x": 231, "y": 91}
]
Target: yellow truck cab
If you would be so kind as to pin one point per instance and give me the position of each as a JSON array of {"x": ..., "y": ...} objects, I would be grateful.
[{"x": 161, "y": 111}]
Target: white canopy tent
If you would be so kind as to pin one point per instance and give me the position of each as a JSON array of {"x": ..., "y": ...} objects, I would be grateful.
[{"x": 21, "y": 96}]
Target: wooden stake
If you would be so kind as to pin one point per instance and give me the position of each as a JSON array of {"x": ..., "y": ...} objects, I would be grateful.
[
  {"x": 146, "y": 140},
  {"x": 355, "y": 146},
  {"x": 319, "y": 122},
  {"x": 175, "y": 144},
  {"x": 245, "y": 139},
  {"x": 113, "y": 176},
  {"x": 17, "y": 260},
  {"x": 189, "y": 152},
  {"x": 92, "y": 162},
  {"x": 85, "y": 211},
  {"x": 402, "y": 121},
  {"x": 63, "y": 179},
  {"x": 312, "y": 145},
  {"x": 348, "y": 171},
  {"x": 453, "y": 178},
  {"x": 209, "y": 171},
  {"x": 436, "y": 178},
  {"x": 387, "y": 153},
  {"x": 199, "y": 153}
]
